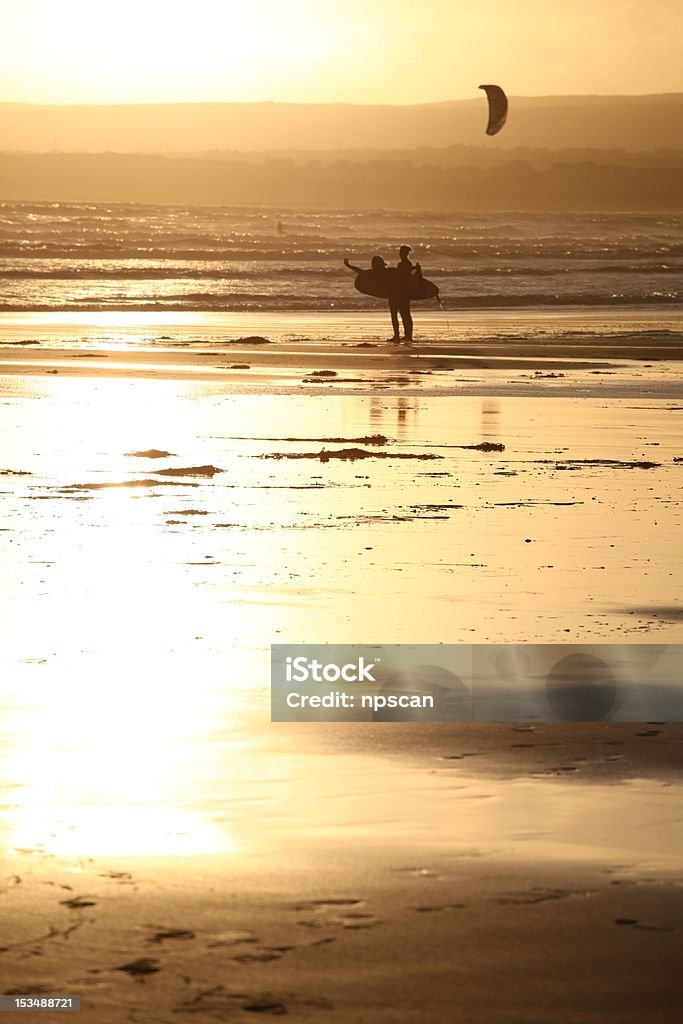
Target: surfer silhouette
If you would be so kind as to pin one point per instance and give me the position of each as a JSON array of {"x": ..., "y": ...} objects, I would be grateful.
[
  {"x": 384, "y": 276},
  {"x": 399, "y": 299},
  {"x": 386, "y": 279},
  {"x": 399, "y": 285}
]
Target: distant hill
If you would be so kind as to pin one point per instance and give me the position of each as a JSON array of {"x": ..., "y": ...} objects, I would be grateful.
[
  {"x": 633, "y": 183},
  {"x": 634, "y": 123}
]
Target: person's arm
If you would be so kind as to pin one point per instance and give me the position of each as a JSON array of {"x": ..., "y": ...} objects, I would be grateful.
[{"x": 356, "y": 269}]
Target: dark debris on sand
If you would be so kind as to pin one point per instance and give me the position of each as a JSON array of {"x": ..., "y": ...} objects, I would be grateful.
[
  {"x": 188, "y": 512},
  {"x": 208, "y": 471},
  {"x": 147, "y": 482},
  {"x": 483, "y": 446},
  {"x": 150, "y": 453},
  {"x": 376, "y": 439},
  {"x": 613, "y": 463},
  {"x": 350, "y": 455}
]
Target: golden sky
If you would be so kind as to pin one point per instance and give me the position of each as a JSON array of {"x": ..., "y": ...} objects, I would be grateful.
[{"x": 360, "y": 51}]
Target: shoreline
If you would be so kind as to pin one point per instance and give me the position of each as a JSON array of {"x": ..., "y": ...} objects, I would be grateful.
[
  {"x": 574, "y": 325},
  {"x": 311, "y": 369},
  {"x": 606, "y": 353}
]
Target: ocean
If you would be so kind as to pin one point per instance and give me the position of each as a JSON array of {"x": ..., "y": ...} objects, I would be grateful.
[{"x": 84, "y": 257}]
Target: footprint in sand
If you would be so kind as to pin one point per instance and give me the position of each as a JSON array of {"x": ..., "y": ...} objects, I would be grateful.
[
  {"x": 266, "y": 1005},
  {"x": 222, "y": 940},
  {"x": 164, "y": 934},
  {"x": 321, "y": 904},
  {"x": 668, "y": 883},
  {"x": 332, "y": 912},
  {"x": 534, "y": 896},
  {"x": 633, "y": 922},
  {"x": 217, "y": 1001},
  {"x": 261, "y": 956},
  {"x": 139, "y": 968},
  {"x": 356, "y": 919},
  {"x": 78, "y": 903},
  {"x": 437, "y": 909},
  {"x": 247, "y": 949}
]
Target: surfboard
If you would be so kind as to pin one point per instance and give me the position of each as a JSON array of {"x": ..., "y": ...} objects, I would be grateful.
[{"x": 378, "y": 284}]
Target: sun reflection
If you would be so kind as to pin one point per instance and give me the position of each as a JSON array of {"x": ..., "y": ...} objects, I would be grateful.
[
  {"x": 123, "y": 830},
  {"x": 135, "y": 713},
  {"x": 108, "y": 764},
  {"x": 110, "y": 713},
  {"x": 102, "y": 318}
]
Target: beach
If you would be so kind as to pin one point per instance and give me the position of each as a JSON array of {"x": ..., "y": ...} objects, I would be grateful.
[
  {"x": 373, "y": 888},
  {"x": 172, "y": 509},
  {"x": 208, "y": 447}
]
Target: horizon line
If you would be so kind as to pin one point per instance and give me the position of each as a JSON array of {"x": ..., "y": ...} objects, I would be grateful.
[{"x": 333, "y": 103}]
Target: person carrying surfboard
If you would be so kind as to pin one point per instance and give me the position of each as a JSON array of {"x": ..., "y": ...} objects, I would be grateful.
[
  {"x": 399, "y": 299},
  {"x": 385, "y": 277},
  {"x": 398, "y": 285}
]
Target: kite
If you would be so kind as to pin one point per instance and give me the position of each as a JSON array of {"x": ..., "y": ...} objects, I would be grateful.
[{"x": 498, "y": 108}]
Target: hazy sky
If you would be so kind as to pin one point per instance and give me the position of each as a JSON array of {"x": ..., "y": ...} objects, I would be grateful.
[{"x": 372, "y": 51}]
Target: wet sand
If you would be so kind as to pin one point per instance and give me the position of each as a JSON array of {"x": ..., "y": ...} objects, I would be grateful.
[
  {"x": 166, "y": 852},
  {"x": 312, "y": 369},
  {"x": 357, "y": 886}
]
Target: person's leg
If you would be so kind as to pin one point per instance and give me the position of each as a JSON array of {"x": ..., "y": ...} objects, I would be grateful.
[
  {"x": 393, "y": 309},
  {"x": 407, "y": 318}
]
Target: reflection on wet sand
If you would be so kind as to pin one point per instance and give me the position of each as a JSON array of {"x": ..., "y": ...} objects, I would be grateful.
[{"x": 167, "y": 852}]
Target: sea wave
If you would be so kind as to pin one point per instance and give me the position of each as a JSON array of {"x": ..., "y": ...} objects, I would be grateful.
[
  {"x": 113, "y": 271},
  {"x": 431, "y": 253},
  {"x": 120, "y": 256},
  {"x": 238, "y": 301}
]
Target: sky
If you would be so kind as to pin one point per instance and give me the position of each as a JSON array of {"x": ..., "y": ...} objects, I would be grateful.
[{"x": 325, "y": 51}]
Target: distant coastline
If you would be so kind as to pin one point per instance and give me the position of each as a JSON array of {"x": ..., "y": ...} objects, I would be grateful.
[{"x": 566, "y": 182}]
